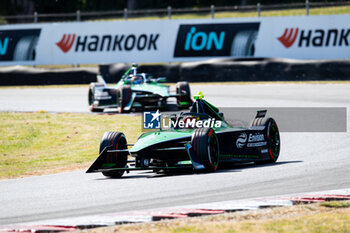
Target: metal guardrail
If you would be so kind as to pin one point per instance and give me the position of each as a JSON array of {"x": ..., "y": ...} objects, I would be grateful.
[{"x": 166, "y": 12}]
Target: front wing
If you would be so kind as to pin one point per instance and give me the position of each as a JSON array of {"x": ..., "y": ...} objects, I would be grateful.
[
  {"x": 106, "y": 97},
  {"x": 235, "y": 145}
]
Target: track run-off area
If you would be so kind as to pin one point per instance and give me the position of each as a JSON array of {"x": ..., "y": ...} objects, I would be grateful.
[{"x": 308, "y": 162}]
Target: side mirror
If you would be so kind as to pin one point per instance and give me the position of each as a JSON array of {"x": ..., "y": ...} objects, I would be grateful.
[{"x": 161, "y": 80}]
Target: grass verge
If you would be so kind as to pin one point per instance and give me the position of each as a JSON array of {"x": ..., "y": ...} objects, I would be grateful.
[
  {"x": 301, "y": 218},
  {"x": 42, "y": 143},
  {"x": 336, "y": 204}
]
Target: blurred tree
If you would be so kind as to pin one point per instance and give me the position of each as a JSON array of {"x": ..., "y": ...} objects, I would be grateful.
[
  {"x": 55, "y": 6},
  {"x": 16, "y": 7},
  {"x": 5, "y": 7},
  {"x": 62, "y": 6},
  {"x": 131, "y": 4},
  {"x": 13, "y": 7}
]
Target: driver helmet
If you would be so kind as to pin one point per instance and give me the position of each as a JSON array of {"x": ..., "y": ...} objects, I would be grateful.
[{"x": 136, "y": 79}]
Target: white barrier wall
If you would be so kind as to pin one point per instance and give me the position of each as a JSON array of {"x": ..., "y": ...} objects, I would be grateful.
[{"x": 298, "y": 37}]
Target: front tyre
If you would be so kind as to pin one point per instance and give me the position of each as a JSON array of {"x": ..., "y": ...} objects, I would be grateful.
[
  {"x": 115, "y": 141},
  {"x": 124, "y": 98},
  {"x": 91, "y": 98},
  {"x": 205, "y": 145}
]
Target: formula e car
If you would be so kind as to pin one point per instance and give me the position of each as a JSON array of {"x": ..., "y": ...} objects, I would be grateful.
[
  {"x": 136, "y": 90},
  {"x": 200, "y": 140}
]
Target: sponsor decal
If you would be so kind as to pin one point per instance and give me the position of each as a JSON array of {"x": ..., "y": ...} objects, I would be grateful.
[
  {"x": 65, "y": 44},
  {"x": 151, "y": 120},
  {"x": 264, "y": 151},
  {"x": 253, "y": 140},
  {"x": 241, "y": 140},
  {"x": 3, "y": 46},
  {"x": 289, "y": 36},
  {"x": 256, "y": 137},
  {"x": 108, "y": 42},
  {"x": 256, "y": 144},
  {"x": 335, "y": 37},
  {"x": 18, "y": 45},
  {"x": 256, "y": 140},
  {"x": 100, "y": 94},
  {"x": 206, "y": 40}
]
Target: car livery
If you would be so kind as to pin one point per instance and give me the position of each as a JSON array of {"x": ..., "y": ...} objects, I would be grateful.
[
  {"x": 136, "y": 91},
  {"x": 192, "y": 146}
]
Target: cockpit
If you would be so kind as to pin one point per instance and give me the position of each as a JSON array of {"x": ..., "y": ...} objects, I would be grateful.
[
  {"x": 202, "y": 114},
  {"x": 202, "y": 106},
  {"x": 135, "y": 79}
]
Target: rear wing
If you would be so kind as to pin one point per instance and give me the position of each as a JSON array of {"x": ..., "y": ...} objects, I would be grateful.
[{"x": 260, "y": 115}]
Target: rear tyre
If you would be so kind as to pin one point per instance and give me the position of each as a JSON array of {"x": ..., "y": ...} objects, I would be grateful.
[
  {"x": 273, "y": 140},
  {"x": 116, "y": 141},
  {"x": 124, "y": 98},
  {"x": 183, "y": 88},
  {"x": 205, "y": 145},
  {"x": 91, "y": 97}
]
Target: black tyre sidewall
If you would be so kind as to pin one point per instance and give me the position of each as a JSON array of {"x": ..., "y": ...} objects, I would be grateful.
[
  {"x": 91, "y": 97},
  {"x": 125, "y": 97},
  {"x": 183, "y": 87},
  {"x": 116, "y": 140},
  {"x": 269, "y": 125},
  {"x": 200, "y": 142}
]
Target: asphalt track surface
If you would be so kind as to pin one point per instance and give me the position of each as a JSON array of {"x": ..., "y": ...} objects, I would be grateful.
[{"x": 308, "y": 161}]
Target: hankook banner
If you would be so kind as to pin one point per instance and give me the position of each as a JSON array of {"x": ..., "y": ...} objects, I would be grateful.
[
  {"x": 298, "y": 37},
  {"x": 18, "y": 45}
]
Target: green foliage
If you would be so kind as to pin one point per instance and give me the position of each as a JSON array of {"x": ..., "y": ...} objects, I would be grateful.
[
  {"x": 336, "y": 204},
  {"x": 8, "y": 7}
]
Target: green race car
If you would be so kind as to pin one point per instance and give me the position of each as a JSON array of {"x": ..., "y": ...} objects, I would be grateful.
[
  {"x": 200, "y": 140},
  {"x": 136, "y": 91}
]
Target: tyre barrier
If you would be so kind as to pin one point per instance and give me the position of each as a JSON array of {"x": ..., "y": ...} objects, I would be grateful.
[
  {"x": 23, "y": 75},
  {"x": 248, "y": 69},
  {"x": 214, "y": 70}
]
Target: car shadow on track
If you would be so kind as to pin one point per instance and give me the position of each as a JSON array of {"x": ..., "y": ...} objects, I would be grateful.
[
  {"x": 223, "y": 168},
  {"x": 232, "y": 166}
]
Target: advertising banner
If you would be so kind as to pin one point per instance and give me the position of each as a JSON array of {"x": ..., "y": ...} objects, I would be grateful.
[
  {"x": 18, "y": 45},
  {"x": 216, "y": 40},
  {"x": 149, "y": 41},
  {"x": 305, "y": 37}
]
